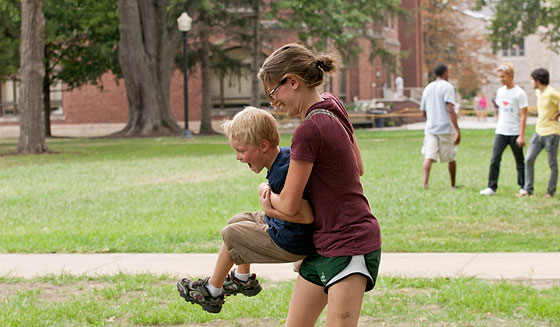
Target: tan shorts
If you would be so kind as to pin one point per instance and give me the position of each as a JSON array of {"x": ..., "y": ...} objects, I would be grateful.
[
  {"x": 247, "y": 239},
  {"x": 439, "y": 147}
]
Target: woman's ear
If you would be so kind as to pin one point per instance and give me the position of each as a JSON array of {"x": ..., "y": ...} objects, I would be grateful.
[{"x": 293, "y": 82}]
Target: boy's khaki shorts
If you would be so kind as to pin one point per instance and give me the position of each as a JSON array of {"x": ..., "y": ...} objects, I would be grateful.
[
  {"x": 439, "y": 147},
  {"x": 247, "y": 240}
]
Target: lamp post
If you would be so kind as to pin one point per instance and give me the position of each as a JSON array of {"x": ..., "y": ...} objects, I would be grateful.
[{"x": 184, "y": 24}]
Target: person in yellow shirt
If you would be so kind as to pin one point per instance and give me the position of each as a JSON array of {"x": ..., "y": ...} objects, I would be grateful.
[{"x": 547, "y": 132}]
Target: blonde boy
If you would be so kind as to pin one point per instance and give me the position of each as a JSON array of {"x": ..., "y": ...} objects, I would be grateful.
[
  {"x": 253, "y": 237},
  {"x": 512, "y": 105}
]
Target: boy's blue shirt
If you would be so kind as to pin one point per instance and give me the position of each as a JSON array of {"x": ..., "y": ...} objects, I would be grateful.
[{"x": 292, "y": 237}]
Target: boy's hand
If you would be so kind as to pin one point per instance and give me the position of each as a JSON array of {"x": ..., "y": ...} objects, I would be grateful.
[
  {"x": 263, "y": 187},
  {"x": 265, "y": 200},
  {"x": 520, "y": 141},
  {"x": 457, "y": 139}
]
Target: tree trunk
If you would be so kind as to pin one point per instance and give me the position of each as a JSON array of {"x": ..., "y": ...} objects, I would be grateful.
[
  {"x": 31, "y": 119},
  {"x": 47, "y": 96},
  {"x": 222, "y": 93},
  {"x": 255, "y": 85},
  {"x": 206, "y": 110},
  {"x": 146, "y": 50}
]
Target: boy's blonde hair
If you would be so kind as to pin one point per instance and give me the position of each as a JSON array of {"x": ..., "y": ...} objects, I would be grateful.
[
  {"x": 506, "y": 68},
  {"x": 252, "y": 125}
]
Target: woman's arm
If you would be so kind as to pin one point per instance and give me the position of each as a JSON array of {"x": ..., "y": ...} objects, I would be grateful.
[
  {"x": 288, "y": 202},
  {"x": 358, "y": 155},
  {"x": 305, "y": 216}
]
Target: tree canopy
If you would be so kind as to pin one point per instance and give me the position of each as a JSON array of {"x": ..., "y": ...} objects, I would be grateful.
[
  {"x": 341, "y": 22},
  {"x": 9, "y": 37},
  {"x": 81, "y": 40},
  {"x": 464, "y": 53},
  {"x": 515, "y": 19}
]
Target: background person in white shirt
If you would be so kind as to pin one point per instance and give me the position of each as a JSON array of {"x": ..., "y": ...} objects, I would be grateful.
[
  {"x": 512, "y": 104},
  {"x": 442, "y": 134},
  {"x": 399, "y": 86}
]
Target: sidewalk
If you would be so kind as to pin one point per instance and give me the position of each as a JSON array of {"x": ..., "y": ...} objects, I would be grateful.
[
  {"x": 96, "y": 130},
  {"x": 491, "y": 266},
  {"x": 468, "y": 122},
  {"x": 91, "y": 130}
]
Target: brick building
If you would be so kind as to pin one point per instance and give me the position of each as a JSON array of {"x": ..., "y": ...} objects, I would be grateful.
[
  {"x": 531, "y": 53},
  {"x": 364, "y": 80}
]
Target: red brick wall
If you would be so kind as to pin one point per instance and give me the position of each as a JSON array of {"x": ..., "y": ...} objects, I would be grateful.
[
  {"x": 410, "y": 36},
  {"x": 89, "y": 104}
]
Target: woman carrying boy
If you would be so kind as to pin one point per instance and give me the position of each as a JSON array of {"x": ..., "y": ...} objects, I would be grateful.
[{"x": 325, "y": 156}]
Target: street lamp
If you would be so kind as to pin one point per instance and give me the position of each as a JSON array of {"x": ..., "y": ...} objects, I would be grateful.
[{"x": 184, "y": 24}]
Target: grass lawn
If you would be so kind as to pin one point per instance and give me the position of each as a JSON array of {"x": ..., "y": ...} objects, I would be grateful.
[
  {"x": 171, "y": 195},
  {"x": 147, "y": 300}
]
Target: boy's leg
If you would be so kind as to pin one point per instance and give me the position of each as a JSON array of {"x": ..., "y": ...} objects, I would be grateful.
[
  {"x": 244, "y": 269},
  {"x": 426, "y": 167},
  {"x": 551, "y": 146},
  {"x": 535, "y": 147},
  {"x": 452, "y": 167},
  {"x": 345, "y": 301},
  {"x": 447, "y": 151},
  {"x": 249, "y": 242},
  {"x": 430, "y": 150},
  {"x": 307, "y": 303},
  {"x": 208, "y": 292},
  {"x": 500, "y": 143},
  {"x": 519, "y": 161},
  {"x": 224, "y": 263}
]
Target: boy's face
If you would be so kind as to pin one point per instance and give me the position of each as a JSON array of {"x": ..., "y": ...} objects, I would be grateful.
[
  {"x": 505, "y": 79},
  {"x": 534, "y": 83},
  {"x": 251, "y": 154}
]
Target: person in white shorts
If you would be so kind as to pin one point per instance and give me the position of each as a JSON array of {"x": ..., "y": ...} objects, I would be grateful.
[{"x": 442, "y": 134}]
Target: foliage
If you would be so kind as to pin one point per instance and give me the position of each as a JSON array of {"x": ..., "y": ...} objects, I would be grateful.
[
  {"x": 9, "y": 38},
  {"x": 168, "y": 195},
  {"x": 80, "y": 40},
  {"x": 463, "y": 52},
  {"x": 515, "y": 19},
  {"x": 347, "y": 20}
]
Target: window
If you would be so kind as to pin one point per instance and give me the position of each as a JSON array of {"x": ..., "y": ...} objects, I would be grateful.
[
  {"x": 9, "y": 93},
  {"x": 10, "y": 98},
  {"x": 515, "y": 50}
]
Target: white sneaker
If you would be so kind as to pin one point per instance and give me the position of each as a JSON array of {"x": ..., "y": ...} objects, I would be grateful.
[
  {"x": 522, "y": 193},
  {"x": 488, "y": 191}
]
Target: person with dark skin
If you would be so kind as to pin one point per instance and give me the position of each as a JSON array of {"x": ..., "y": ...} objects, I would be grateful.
[{"x": 442, "y": 133}]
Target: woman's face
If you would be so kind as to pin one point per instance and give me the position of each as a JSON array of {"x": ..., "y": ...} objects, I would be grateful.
[{"x": 283, "y": 97}]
